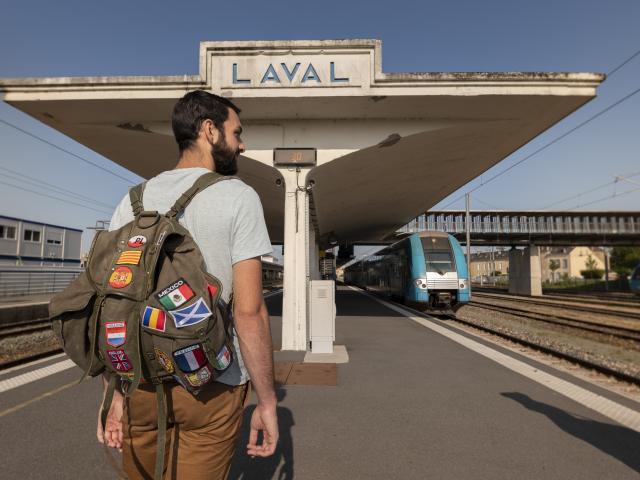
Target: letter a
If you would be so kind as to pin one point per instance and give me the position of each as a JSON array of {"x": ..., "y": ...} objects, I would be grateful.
[
  {"x": 311, "y": 74},
  {"x": 270, "y": 75}
]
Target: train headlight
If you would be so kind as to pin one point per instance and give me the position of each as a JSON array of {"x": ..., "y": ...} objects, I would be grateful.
[
  {"x": 463, "y": 285},
  {"x": 418, "y": 282}
]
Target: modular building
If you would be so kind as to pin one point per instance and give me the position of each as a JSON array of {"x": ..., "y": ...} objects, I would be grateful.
[{"x": 28, "y": 243}]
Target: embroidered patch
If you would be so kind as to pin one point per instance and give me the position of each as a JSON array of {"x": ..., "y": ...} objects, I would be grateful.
[
  {"x": 154, "y": 318},
  {"x": 121, "y": 277},
  {"x": 116, "y": 333},
  {"x": 129, "y": 257},
  {"x": 119, "y": 360},
  {"x": 164, "y": 360},
  {"x": 223, "y": 359},
  {"x": 190, "y": 359},
  {"x": 191, "y": 314},
  {"x": 200, "y": 377},
  {"x": 181, "y": 381},
  {"x": 175, "y": 295},
  {"x": 137, "y": 241},
  {"x": 213, "y": 291}
]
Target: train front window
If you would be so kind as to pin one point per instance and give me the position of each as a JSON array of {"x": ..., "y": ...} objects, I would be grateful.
[{"x": 438, "y": 255}]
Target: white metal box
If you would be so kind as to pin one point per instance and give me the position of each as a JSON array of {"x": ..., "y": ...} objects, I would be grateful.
[{"x": 322, "y": 316}]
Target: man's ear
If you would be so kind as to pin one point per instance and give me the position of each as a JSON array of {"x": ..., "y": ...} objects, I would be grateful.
[{"x": 210, "y": 131}]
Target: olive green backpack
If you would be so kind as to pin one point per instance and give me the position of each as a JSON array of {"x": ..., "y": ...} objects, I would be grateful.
[{"x": 145, "y": 309}]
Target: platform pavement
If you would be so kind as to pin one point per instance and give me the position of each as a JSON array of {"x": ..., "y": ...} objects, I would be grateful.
[{"x": 410, "y": 404}]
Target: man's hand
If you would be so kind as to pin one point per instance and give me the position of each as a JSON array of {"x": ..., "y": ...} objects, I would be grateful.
[
  {"x": 263, "y": 419},
  {"x": 112, "y": 434}
]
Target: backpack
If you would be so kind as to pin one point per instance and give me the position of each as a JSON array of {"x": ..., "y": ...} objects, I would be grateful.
[{"x": 145, "y": 309}]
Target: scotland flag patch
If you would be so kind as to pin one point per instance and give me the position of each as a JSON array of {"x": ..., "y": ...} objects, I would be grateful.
[{"x": 191, "y": 315}]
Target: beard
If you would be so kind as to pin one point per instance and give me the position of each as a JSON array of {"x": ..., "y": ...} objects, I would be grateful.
[{"x": 225, "y": 159}]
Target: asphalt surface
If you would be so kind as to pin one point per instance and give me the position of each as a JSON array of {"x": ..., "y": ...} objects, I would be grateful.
[{"x": 410, "y": 404}]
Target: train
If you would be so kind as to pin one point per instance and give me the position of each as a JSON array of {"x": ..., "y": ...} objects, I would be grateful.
[
  {"x": 425, "y": 270},
  {"x": 634, "y": 280}
]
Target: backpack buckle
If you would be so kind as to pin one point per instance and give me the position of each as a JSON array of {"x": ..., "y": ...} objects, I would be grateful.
[{"x": 147, "y": 219}]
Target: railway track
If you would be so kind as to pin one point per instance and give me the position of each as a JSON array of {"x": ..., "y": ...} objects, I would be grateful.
[
  {"x": 630, "y": 312},
  {"x": 585, "y": 325},
  {"x": 612, "y": 372},
  {"x": 619, "y": 300},
  {"x": 551, "y": 351},
  {"x": 21, "y": 328}
]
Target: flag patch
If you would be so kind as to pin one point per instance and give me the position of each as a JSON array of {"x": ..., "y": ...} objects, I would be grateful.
[
  {"x": 192, "y": 314},
  {"x": 154, "y": 318},
  {"x": 175, "y": 295},
  {"x": 213, "y": 291},
  {"x": 116, "y": 333},
  {"x": 129, "y": 257},
  {"x": 121, "y": 277},
  {"x": 190, "y": 359},
  {"x": 137, "y": 241},
  {"x": 200, "y": 377},
  {"x": 119, "y": 360},
  {"x": 164, "y": 360},
  {"x": 223, "y": 359}
]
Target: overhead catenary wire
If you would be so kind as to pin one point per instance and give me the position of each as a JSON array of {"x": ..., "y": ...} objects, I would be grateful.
[
  {"x": 547, "y": 145},
  {"x": 56, "y": 198},
  {"x": 48, "y": 186},
  {"x": 75, "y": 155},
  {"x": 588, "y": 191},
  {"x": 555, "y": 140},
  {"x": 608, "y": 197}
]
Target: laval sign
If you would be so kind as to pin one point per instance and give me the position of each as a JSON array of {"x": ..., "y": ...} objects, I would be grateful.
[{"x": 315, "y": 70}]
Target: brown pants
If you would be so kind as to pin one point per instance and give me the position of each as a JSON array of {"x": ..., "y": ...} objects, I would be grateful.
[{"x": 201, "y": 431}]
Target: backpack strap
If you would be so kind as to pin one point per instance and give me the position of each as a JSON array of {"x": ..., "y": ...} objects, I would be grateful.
[
  {"x": 135, "y": 197},
  {"x": 200, "y": 184}
]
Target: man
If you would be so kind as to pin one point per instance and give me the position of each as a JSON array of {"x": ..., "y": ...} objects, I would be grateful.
[{"x": 227, "y": 222}]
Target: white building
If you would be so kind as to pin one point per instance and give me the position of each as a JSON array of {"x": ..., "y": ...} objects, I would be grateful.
[{"x": 27, "y": 243}]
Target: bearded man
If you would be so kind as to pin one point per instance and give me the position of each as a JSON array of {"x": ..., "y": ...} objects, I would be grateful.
[{"x": 227, "y": 223}]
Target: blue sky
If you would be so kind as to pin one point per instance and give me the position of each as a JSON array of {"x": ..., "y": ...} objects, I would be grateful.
[{"x": 71, "y": 38}]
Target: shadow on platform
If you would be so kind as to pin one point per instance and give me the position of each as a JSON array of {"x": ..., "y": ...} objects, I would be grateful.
[
  {"x": 350, "y": 304},
  {"x": 614, "y": 440},
  {"x": 280, "y": 464}
]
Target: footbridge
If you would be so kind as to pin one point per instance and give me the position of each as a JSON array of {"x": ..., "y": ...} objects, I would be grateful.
[{"x": 515, "y": 228}]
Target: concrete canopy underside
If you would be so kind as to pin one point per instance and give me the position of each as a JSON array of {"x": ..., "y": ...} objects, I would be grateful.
[{"x": 390, "y": 146}]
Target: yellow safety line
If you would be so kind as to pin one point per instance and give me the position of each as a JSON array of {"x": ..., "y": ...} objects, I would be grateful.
[{"x": 38, "y": 398}]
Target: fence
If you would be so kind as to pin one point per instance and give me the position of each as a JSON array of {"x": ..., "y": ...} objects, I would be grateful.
[{"x": 19, "y": 281}]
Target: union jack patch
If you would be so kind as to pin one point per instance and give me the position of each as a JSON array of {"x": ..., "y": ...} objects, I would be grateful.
[{"x": 119, "y": 360}]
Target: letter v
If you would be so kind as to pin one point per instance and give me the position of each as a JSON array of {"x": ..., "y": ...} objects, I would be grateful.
[{"x": 289, "y": 74}]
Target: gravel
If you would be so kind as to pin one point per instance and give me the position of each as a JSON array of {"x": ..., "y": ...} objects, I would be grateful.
[{"x": 599, "y": 349}]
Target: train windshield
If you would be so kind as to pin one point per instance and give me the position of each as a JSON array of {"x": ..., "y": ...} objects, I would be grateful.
[{"x": 438, "y": 255}]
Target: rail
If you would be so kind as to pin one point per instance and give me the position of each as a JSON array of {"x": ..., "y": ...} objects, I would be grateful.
[{"x": 20, "y": 281}]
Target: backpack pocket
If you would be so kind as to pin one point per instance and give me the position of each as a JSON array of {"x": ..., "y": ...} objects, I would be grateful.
[{"x": 73, "y": 313}]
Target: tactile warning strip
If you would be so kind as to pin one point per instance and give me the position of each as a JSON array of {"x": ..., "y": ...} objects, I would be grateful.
[
  {"x": 34, "y": 375},
  {"x": 298, "y": 373}
]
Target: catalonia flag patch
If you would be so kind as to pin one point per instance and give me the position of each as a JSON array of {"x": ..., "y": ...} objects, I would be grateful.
[{"x": 129, "y": 257}]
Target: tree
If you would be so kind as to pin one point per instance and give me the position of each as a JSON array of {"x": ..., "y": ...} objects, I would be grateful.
[
  {"x": 624, "y": 260},
  {"x": 553, "y": 266}
]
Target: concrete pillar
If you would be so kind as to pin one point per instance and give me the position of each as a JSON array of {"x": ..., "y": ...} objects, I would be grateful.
[
  {"x": 525, "y": 277},
  {"x": 296, "y": 260}
]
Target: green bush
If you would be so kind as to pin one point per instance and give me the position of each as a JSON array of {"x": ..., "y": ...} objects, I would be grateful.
[{"x": 593, "y": 274}]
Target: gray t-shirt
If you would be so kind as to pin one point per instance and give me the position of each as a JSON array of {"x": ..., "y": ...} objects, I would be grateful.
[{"x": 225, "y": 220}]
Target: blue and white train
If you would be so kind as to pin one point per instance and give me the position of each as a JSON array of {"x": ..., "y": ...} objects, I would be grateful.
[{"x": 426, "y": 270}]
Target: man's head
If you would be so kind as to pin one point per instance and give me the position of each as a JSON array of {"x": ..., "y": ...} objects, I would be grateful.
[{"x": 209, "y": 123}]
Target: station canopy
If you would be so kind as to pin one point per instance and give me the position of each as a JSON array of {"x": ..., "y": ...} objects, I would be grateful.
[{"x": 389, "y": 145}]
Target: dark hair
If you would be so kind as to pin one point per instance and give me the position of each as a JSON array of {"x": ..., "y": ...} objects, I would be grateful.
[{"x": 194, "y": 108}]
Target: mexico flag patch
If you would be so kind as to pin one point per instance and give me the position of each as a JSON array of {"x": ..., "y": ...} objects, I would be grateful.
[{"x": 175, "y": 294}]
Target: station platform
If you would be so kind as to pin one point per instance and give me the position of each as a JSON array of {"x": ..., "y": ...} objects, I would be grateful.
[{"x": 418, "y": 399}]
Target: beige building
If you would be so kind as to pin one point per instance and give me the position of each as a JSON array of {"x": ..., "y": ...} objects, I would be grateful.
[
  {"x": 571, "y": 261},
  {"x": 489, "y": 264}
]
